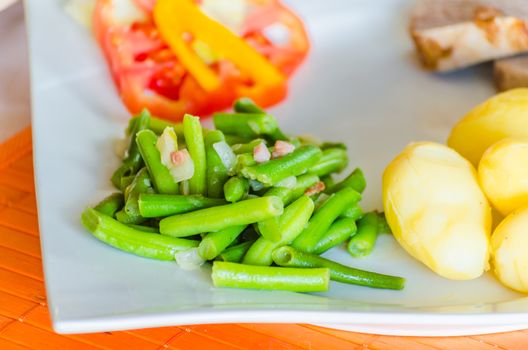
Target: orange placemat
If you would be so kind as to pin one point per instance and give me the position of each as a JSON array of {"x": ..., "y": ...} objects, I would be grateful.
[{"x": 25, "y": 323}]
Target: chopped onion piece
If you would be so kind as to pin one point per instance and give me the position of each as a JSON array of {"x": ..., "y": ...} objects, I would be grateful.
[
  {"x": 226, "y": 154},
  {"x": 288, "y": 182},
  {"x": 189, "y": 259},
  {"x": 167, "y": 144},
  {"x": 184, "y": 168},
  {"x": 261, "y": 153}
]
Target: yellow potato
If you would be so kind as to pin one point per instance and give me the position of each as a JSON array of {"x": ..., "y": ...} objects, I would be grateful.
[
  {"x": 504, "y": 115},
  {"x": 503, "y": 175},
  {"x": 437, "y": 211},
  {"x": 509, "y": 245}
]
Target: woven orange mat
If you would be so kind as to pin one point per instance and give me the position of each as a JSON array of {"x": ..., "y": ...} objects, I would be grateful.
[{"x": 25, "y": 322}]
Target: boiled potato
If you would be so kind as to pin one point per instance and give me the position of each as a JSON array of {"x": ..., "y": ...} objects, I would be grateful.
[
  {"x": 437, "y": 211},
  {"x": 509, "y": 245},
  {"x": 504, "y": 115},
  {"x": 503, "y": 175}
]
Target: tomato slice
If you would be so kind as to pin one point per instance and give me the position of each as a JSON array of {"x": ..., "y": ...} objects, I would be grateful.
[
  {"x": 148, "y": 74},
  {"x": 292, "y": 44}
]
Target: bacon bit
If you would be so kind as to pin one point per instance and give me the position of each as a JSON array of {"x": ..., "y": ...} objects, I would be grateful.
[
  {"x": 261, "y": 153},
  {"x": 282, "y": 148},
  {"x": 315, "y": 189},
  {"x": 178, "y": 157}
]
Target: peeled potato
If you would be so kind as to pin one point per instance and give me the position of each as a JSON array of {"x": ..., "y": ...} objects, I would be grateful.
[
  {"x": 504, "y": 115},
  {"x": 437, "y": 211},
  {"x": 503, "y": 175},
  {"x": 509, "y": 245}
]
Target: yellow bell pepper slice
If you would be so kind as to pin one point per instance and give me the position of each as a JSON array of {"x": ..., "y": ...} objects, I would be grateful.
[{"x": 175, "y": 18}]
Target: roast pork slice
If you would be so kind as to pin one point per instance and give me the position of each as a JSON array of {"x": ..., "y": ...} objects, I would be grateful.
[
  {"x": 452, "y": 34},
  {"x": 511, "y": 72}
]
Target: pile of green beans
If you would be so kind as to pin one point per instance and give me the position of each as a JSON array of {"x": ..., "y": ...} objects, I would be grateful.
[{"x": 260, "y": 205}]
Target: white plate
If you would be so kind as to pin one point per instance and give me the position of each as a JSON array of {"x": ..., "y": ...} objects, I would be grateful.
[{"x": 360, "y": 85}]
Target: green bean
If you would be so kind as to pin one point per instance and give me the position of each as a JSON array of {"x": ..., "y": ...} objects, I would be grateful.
[
  {"x": 235, "y": 139},
  {"x": 333, "y": 160},
  {"x": 327, "y": 145},
  {"x": 218, "y": 218},
  {"x": 280, "y": 228},
  {"x": 247, "y": 147},
  {"x": 122, "y": 237},
  {"x": 161, "y": 177},
  {"x": 328, "y": 181},
  {"x": 126, "y": 218},
  {"x": 288, "y": 256},
  {"x": 235, "y": 189},
  {"x": 144, "y": 228},
  {"x": 282, "y": 192},
  {"x": 233, "y": 275},
  {"x": 130, "y": 214},
  {"x": 356, "y": 181},
  {"x": 246, "y": 105},
  {"x": 250, "y": 125},
  {"x": 125, "y": 181},
  {"x": 111, "y": 204},
  {"x": 215, "y": 243},
  {"x": 192, "y": 129},
  {"x": 276, "y": 133},
  {"x": 260, "y": 252},
  {"x": 362, "y": 243},
  {"x": 239, "y": 124},
  {"x": 383, "y": 225},
  {"x": 242, "y": 161},
  {"x": 236, "y": 253},
  {"x": 133, "y": 162},
  {"x": 304, "y": 182},
  {"x": 132, "y": 125},
  {"x": 270, "y": 226},
  {"x": 323, "y": 218},
  {"x": 216, "y": 173},
  {"x": 158, "y": 125},
  {"x": 352, "y": 212},
  {"x": 338, "y": 233},
  {"x": 275, "y": 170},
  {"x": 159, "y": 205},
  {"x": 290, "y": 225},
  {"x": 140, "y": 184}
]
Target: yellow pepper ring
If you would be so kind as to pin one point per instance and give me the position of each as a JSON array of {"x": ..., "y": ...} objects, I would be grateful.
[{"x": 175, "y": 17}]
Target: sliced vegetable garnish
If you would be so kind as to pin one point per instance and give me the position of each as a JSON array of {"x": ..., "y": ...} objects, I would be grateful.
[
  {"x": 177, "y": 19},
  {"x": 149, "y": 73}
]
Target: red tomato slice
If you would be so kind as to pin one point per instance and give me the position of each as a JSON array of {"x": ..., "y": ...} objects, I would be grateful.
[{"x": 148, "y": 74}]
